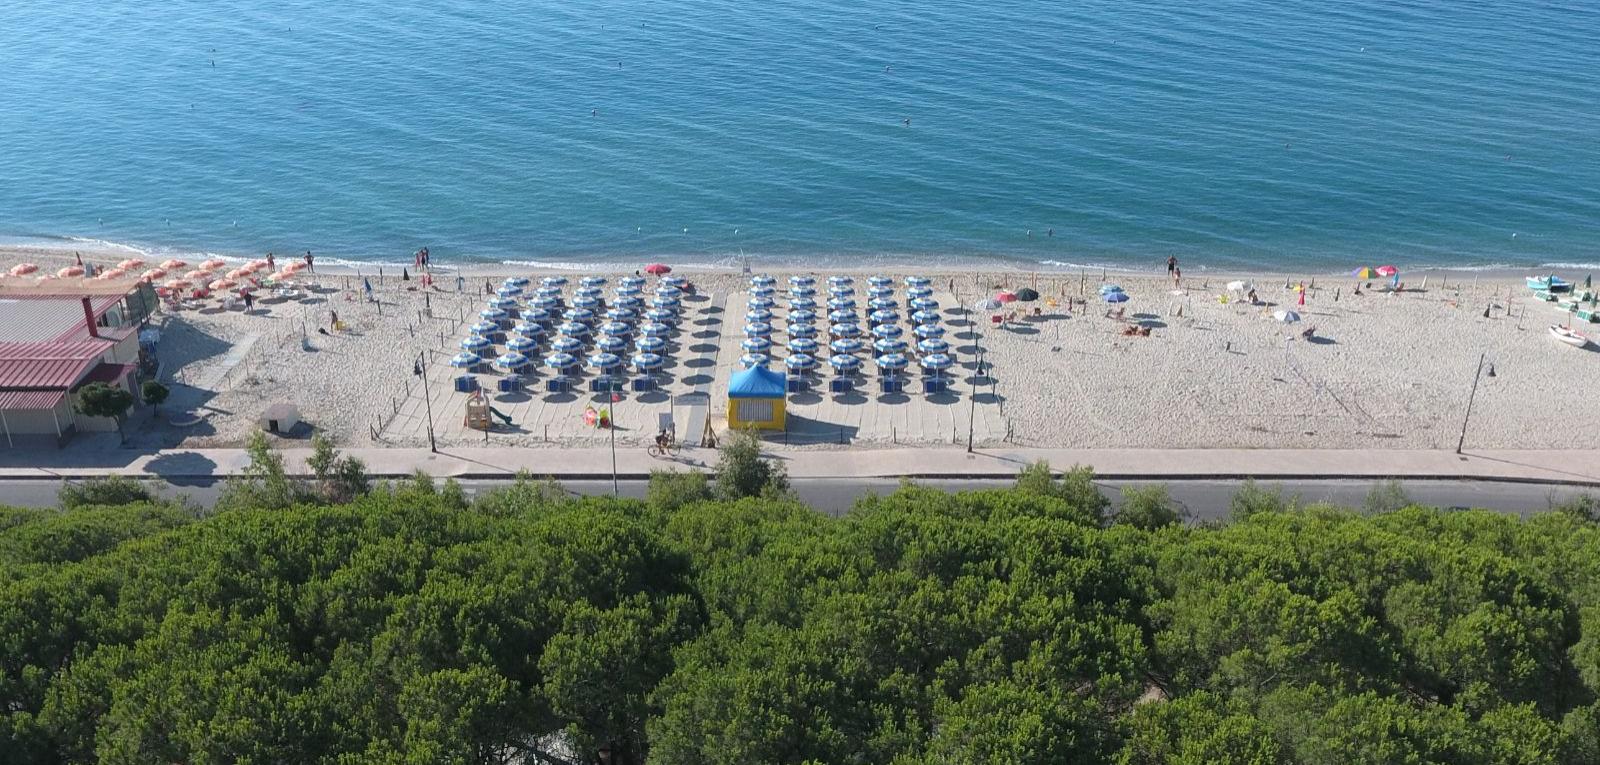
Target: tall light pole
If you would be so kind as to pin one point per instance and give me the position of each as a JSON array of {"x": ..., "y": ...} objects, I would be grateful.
[
  {"x": 427, "y": 398},
  {"x": 614, "y": 399}
]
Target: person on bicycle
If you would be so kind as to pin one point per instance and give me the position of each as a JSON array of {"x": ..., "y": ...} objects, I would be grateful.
[{"x": 663, "y": 440}]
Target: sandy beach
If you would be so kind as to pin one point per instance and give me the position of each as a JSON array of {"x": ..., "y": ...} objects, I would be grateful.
[{"x": 1384, "y": 371}]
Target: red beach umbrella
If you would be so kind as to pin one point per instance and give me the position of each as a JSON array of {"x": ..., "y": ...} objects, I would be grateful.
[
  {"x": 657, "y": 269},
  {"x": 1387, "y": 270},
  {"x": 1006, "y": 297},
  {"x": 70, "y": 271}
]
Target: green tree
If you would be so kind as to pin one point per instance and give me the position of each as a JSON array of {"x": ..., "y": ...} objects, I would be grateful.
[
  {"x": 1076, "y": 487},
  {"x": 1253, "y": 498},
  {"x": 110, "y": 490},
  {"x": 264, "y": 484},
  {"x": 672, "y": 489},
  {"x": 1385, "y": 497},
  {"x": 154, "y": 393},
  {"x": 98, "y": 399},
  {"x": 339, "y": 478},
  {"x": 1148, "y": 507},
  {"x": 743, "y": 472}
]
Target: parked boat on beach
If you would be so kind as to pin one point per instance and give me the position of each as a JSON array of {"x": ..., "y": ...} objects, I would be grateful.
[
  {"x": 1574, "y": 339},
  {"x": 1550, "y": 283}
]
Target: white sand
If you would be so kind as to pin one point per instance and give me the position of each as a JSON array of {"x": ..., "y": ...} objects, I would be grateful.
[{"x": 1394, "y": 372}]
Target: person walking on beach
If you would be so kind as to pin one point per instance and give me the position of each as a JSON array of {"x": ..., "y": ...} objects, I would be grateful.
[
  {"x": 309, "y": 265},
  {"x": 1177, "y": 276},
  {"x": 249, "y": 302},
  {"x": 1172, "y": 264},
  {"x": 425, "y": 256}
]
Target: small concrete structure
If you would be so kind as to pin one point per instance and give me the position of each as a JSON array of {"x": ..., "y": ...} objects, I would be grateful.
[{"x": 281, "y": 417}]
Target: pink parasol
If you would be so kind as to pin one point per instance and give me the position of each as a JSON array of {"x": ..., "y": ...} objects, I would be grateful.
[
  {"x": 114, "y": 273},
  {"x": 177, "y": 284},
  {"x": 173, "y": 264},
  {"x": 222, "y": 284},
  {"x": 130, "y": 264},
  {"x": 197, "y": 275},
  {"x": 23, "y": 269},
  {"x": 1387, "y": 270},
  {"x": 70, "y": 271},
  {"x": 212, "y": 264}
]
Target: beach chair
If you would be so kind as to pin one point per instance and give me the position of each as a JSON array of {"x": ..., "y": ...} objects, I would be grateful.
[
  {"x": 891, "y": 385},
  {"x": 466, "y": 384},
  {"x": 841, "y": 385},
  {"x": 557, "y": 385},
  {"x": 798, "y": 384},
  {"x": 644, "y": 384},
  {"x": 935, "y": 385},
  {"x": 511, "y": 384}
]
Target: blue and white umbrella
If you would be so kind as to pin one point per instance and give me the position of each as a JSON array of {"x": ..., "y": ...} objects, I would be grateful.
[
  {"x": 801, "y": 281},
  {"x": 666, "y": 303},
  {"x": 883, "y": 304},
  {"x": 840, "y": 281},
  {"x": 547, "y": 303},
  {"x": 583, "y": 315},
  {"x": 475, "y": 343},
  {"x": 675, "y": 280},
  {"x": 615, "y": 329},
  {"x": 628, "y": 290},
  {"x": 565, "y": 344},
  {"x": 762, "y": 291},
  {"x": 650, "y": 344},
  {"x": 802, "y": 345},
  {"x": 762, "y": 280},
  {"x": 842, "y": 317},
  {"x": 802, "y": 316},
  {"x": 493, "y": 314},
  {"x": 842, "y": 304},
  {"x": 889, "y": 345},
  {"x": 1116, "y": 297},
  {"x": 592, "y": 281},
  {"x": 883, "y": 316},
  {"x": 917, "y": 281},
  {"x": 845, "y": 363},
  {"x": 887, "y": 330},
  {"x": 919, "y": 292},
  {"x": 605, "y": 360},
  {"x": 548, "y": 292},
  {"x": 516, "y": 281},
  {"x": 631, "y": 302},
  {"x": 802, "y": 330},
  {"x": 929, "y": 331},
  {"x": 619, "y": 314},
  {"x": 758, "y": 315},
  {"x": 465, "y": 359},
  {"x": 892, "y": 361},
  {"x": 1106, "y": 289},
  {"x": 573, "y": 329},
  {"x": 508, "y": 291},
  {"x": 845, "y": 329},
  {"x": 586, "y": 303},
  {"x": 802, "y": 291},
  {"x": 800, "y": 362},
  {"x": 554, "y": 281},
  {"x": 880, "y": 281},
  {"x": 561, "y": 361},
  {"x": 758, "y": 329},
  {"x": 666, "y": 290},
  {"x": 523, "y": 344},
  {"x": 760, "y": 302},
  {"x": 654, "y": 329},
  {"x": 756, "y": 343},
  {"x": 754, "y": 360},
  {"x": 646, "y": 361},
  {"x": 880, "y": 292},
  {"x": 660, "y": 315},
  {"x": 589, "y": 292},
  {"x": 538, "y": 314},
  {"x": 511, "y": 361},
  {"x": 925, "y": 304},
  {"x": 502, "y": 303},
  {"x": 484, "y": 328},
  {"x": 631, "y": 281},
  {"x": 611, "y": 344},
  {"x": 933, "y": 345},
  {"x": 803, "y": 303},
  {"x": 839, "y": 292},
  {"x": 925, "y": 318},
  {"x": 846, "y": 345},
  {"x": 937, "y": 362}
]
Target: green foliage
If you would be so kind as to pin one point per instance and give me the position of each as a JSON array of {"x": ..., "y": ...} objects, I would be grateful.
[
  {"x": 1148, "y": 508},
  {"x": 1253, "y": 498},
  {"x": 339, "y": 478},
  {"x": 153, "y": 393},
  {"x": 743, "y": 472},
  {"x": 1385, "y": 497},
  {"x": 672, "y": 489},
  {"x": 111, "y": 490},
  {"x": 98, "y": 399},
  {"x": 265, "y": 484},
  {"x": 1075, "y": 487}
]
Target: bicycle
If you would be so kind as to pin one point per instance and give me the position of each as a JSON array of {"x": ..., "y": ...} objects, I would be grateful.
[{"x": 670, "y": 448}]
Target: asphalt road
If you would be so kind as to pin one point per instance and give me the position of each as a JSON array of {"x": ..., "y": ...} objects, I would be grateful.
[{"x": 1205, "y": 500}]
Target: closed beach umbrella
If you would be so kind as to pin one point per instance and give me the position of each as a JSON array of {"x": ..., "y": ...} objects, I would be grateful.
[
  {"x": 845, "y": 363},
  {"x": 919, "y": 292},
  {"x": 889, "y": 345},
  {"x": 538, "y": 314},
  {"x": 611, "y": 344},
  {"x": 574, "y": 329},
  {"x": 566, "y": 344},
  {"x": 560, "y": 361},
  {"x": 475, "y": 343},
  {"x": 802, "y": 291},
  {"x": 887, "y": 331},
  {"x": 502, "y": 303},
  {"x": 646, "y": 361},
  {"x": 615, "y": 329},
  {"x": 929, "y": 330},
  {"x": 631, "y": 281},
  {"x": 1116, "y": 297},
  {"x": 554, "y": 281},
  {"x": 755, "y": 343},
  {"x": 70, "y": 271},
  {"x": 660, "y": 315},
  {"x": 801, "y": 281},
  {"x": 465, "y": 359},
  {"x": 484, "y": 328},
  {"x": 628, "y": 290},
  {"x": 588, "y": 292},
  {"x": 937, "y": 362},
  {"x": 650, "y": 344},
  {"x": 508, "y": 291},
  {"x": 933, "y": 345},
  {"x": 584, "y": 315},
  {"x": 802, "y": 316},
  {"x": 883, "y": 316},
  {"x": 758, "y": 315},
  {"x": 523, "y": 344},
  {"x": 528, "y": 329},
  {"x": 619, "y": 314},
  {"x": 883, "y": 303},
  {"x": 802, "y": 303},
  {"x": 1287, "y": 317},
  {"x": 800, "y": 362},
  {"x": 842, "y": 304},
  {"x": 605, "y": 360},
  {"x": 654, "y": 329},
  {"x": 802, "y": 330},
  {"x": 839, "y": 292},
  {"x": 892, "y": 362},
  {"x": 879, "y": 281},
  {"x": 1027, "y": 294},
  {"x": 757, "y": 329},
  {"x": 754, "y": 360},
  {"x": 802, "y": 345},
  {"x": 760, "y": 302},
  {"x": 585, "y": 302},
  {"x": 846, "y": 345},
  {"x": 657, "y": 269},
  {"x": 592, "y": 281},
  {"x": 925, "y": 317},
  {"x": 667, "y": 303},
  {"x": 879, "y": 291},
  {"x": 512, "y": 361},
  {"x": 761, "y": 291},
  {"x": 917, "y": 281},
  {"x": 762, "y": 280},
  {"x": 845, "y": 329}
]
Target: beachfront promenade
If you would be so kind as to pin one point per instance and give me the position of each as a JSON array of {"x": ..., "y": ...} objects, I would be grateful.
[{"x": 1574, "y": 467}]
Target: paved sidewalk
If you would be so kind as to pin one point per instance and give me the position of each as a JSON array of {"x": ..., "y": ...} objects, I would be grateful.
[{"x": 1577, "y": 467}]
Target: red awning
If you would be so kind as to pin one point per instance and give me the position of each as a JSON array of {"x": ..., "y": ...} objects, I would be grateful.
[
  {"x": 30, "y": 399},
  {"x": 107, "y": 373}
]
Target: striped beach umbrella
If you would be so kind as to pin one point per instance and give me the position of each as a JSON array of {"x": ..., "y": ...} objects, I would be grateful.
[
  {"x": 839, "y": 292},
  {"x": 755, "y": 343},
  {"x": 759, "y": 315},
  {"x": 889, "y": 345},
  {"x": 554, "y": 281},
  {"x": 547, "y": 303},
  {"x": 605, "y": 360},
  {"x": 546, "y": 292},
  {"x": 845, "y": 363},
  {"x": 583, "y": 315},
  {"x": 502, "y": 303},
  {"x": 757, "y": 329},
  {"x": 511, "y": 361},
  {"x": 802, "y": 316},
  {"x": 937, "y": 362},
  {"x": 846, "y": 345},
  {"x": 619, "y": 314},
  {"x": 933, "y": 345},
  {"x": 926, "y": 317},
  {"x": 465, "y": 359},
  {"x": 630, "y": 301},
  {"x": 926, "y": 331},
  {"x": 615, "y": 329},
  {"x": 565, "y": 344},
  {"x": 522, "y": 344},
  {"x": 628, "y": 290},
  {"x": 667, "y": 303},
  {"x": 802, "y": 345},
  {"x": 514, "y": 281},
  {"x": 762, "y": 291},
  {"x": 762, "y": 280},
  {"x": 538, "y": 315},
  {"x": 484, "y": 328},
  {"x": 592, "y": 281},
  {"x": 611, "y": 344},
  {"x": 660, "y": 315},
  {"x": 654, "y": 329},
  {"x": 509, "y": 290},
  {"x": 840, "y": 281},
  {"x": 877, "y": 292},
  {"x": 802, "y": 291},
  {"x": 883, "y": 316},
  {"x": 573, "y": 329},
  {"x": 493, "y": 314},
  {"x": 666, "y": 290},
  {"x": 588, "y": 292},
  {"x": 799, "y": 280},
  {"x": 750, "y": 360},
  {"x": 760, "y": 302},
  {"x": 925, "y": 304},
  {"x": 650, "y": 344},
  {"x": 561, "y": 361},
  {"x": 879, "y": 281},
  {"x": 800, "y": 362},
  {"x": 584, "y": 302},
  {"x": 887, "y": 331},
  {"x": 842, "y": 317},
  {"x": 802, "y": 303},
  {"x": 917, "y": 281},
  {"x": 645, "y": 362},
  {"x": 675, "y": 280},
  {"x": 631, "y": 281},
  {"x": 842, "y": 304},
  {"x": 883, "y": 304},
  {"x": 919, "y": 292},
  {"x": 845, "y": 329},
  {"x": 801, "y": 330},
  {"x": 892, "y": 362}
]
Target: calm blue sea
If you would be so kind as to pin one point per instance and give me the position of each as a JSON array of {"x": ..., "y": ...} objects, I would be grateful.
[{"x": 1232, "y": 133}]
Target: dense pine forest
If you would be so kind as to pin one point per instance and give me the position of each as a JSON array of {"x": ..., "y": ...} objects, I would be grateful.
[{"x": 337, "y": 620}]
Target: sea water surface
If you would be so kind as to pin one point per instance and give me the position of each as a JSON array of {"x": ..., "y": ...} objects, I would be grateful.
[{"x": 1028, "y": 133}]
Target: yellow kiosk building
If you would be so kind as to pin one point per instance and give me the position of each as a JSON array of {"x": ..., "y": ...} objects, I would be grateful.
[{"x": 756, "y": 398}]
